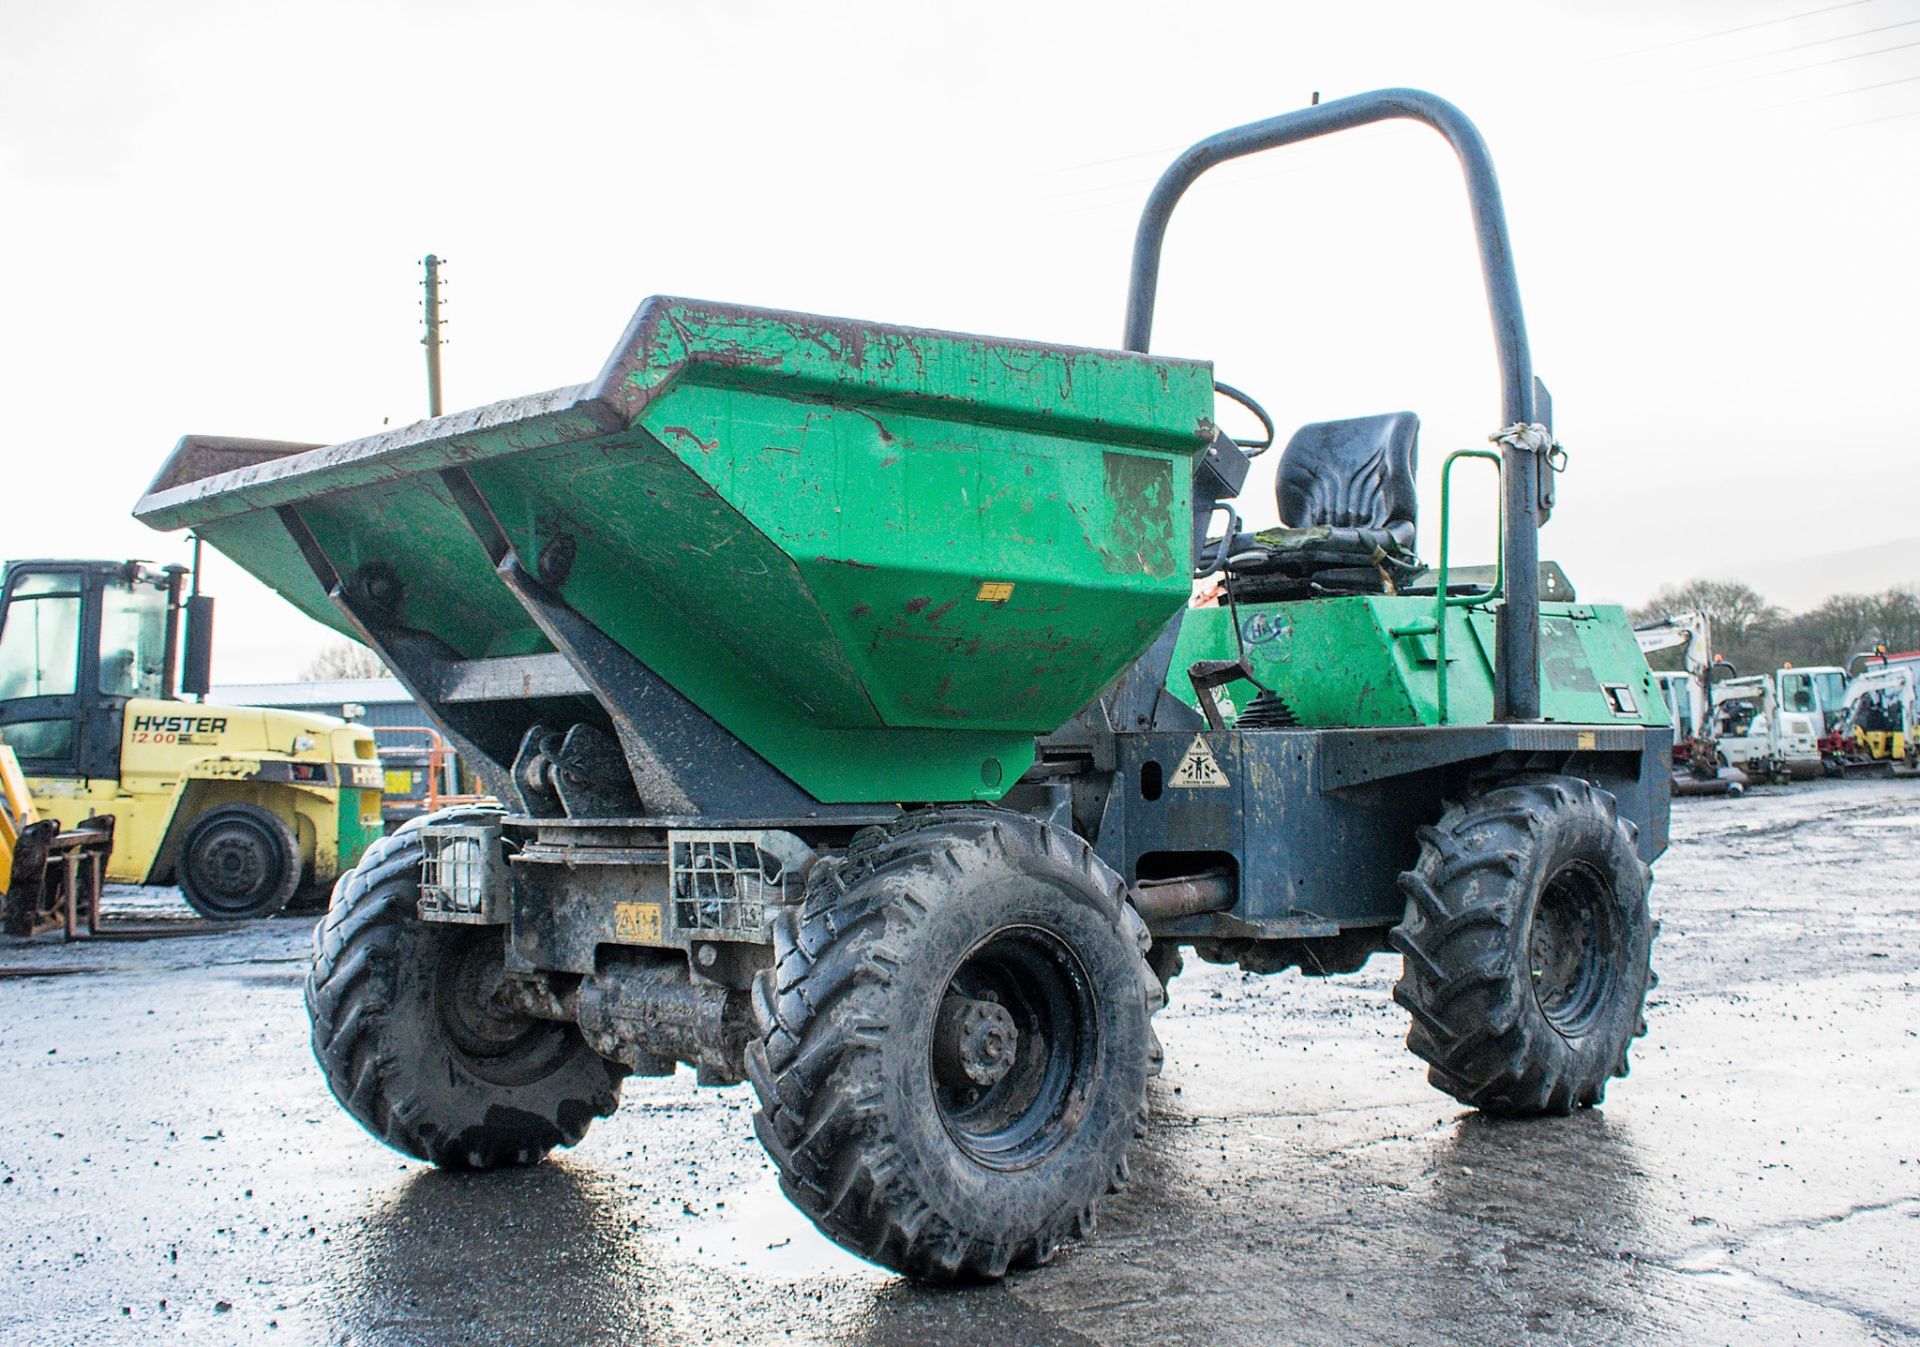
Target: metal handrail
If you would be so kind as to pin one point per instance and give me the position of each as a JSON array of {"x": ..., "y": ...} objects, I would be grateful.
[{"x": 1437, "y": 627}]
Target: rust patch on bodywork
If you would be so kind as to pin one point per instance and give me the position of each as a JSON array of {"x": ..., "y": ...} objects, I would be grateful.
[{"x": 685, "y": 433}]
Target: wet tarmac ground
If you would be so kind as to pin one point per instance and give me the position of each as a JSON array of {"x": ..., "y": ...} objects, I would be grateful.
[{"x": 174, "y": 1170}]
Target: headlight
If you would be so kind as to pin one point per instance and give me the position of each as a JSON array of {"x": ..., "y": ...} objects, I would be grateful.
[{"x": 303, "y": 743}]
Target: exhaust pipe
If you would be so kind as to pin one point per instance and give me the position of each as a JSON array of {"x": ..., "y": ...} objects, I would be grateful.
[{"x": 1185, "y": 896}]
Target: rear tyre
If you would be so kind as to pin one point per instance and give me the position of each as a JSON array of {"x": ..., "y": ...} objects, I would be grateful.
[
  {"x": 1526, "y": 942},
  {"x": 239, "y": 862},
  {"x": 954, "y": 1043},
  {"x": 416, "y": 1040}
]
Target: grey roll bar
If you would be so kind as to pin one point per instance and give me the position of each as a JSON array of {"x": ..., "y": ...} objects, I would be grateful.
[{"x": 1517, "y": 633}]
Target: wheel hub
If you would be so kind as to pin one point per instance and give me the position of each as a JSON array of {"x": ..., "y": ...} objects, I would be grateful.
[
  {"x": 977, "y": 1039},
  {"x": 234, "y": 863},
  {"x": 1013, "y": 1047},
  {"x": 477, "y": 1005},
  {"x": 1566, "y": 948}
]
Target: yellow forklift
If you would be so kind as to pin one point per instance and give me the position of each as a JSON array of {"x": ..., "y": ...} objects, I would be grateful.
[{"x": 247, "y": 809}]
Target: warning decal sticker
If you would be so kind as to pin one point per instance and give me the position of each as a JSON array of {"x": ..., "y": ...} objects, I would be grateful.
[{"x": 1199, "y": 767}]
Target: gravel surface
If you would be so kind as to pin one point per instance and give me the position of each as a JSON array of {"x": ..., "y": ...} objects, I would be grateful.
[{"x": 175, "y": 1170}]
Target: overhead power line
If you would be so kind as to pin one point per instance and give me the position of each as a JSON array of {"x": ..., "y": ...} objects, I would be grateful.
[
  {"x": 1802, "y": 46},
  {"x": 1742, "y": 28},
  {"x": 1835, "y": 60},
  {"x": 1871, "y": 121},
  {"x": 1860, "y": 89}
]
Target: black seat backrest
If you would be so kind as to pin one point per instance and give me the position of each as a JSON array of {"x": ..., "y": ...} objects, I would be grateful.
[{"x": 1353, "y": 474}]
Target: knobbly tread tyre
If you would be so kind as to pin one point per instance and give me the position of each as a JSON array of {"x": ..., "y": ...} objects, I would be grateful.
[
  {"x": 269, "y": 904},
  {"x": 380, "y": 1044},
  {"x": 1467, "y": 978},
  {"x": 852, "y": 1152}
]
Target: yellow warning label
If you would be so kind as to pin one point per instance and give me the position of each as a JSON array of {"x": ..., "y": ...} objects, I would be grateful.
[
  {"x": 995, "y": 591},
  {"x": 1586, "y": 739},
  {"x": 636, "y": 923},
  {"x": 1199, "y": 768}
]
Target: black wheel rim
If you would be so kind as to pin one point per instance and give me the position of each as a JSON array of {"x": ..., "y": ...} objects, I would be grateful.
[
  {"x": 236, "y": 865},
  {"x": 496, "y": 1042},
  {"x": 1035, "y": 1103},
  {"x": 1569, "y": 947}
]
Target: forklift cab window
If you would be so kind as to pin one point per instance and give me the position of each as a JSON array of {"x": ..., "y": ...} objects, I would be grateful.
[
  {"x": 39, "y": 740},
  {"x": 40, "y": 639},
  {"x": 133, "y": 639}
]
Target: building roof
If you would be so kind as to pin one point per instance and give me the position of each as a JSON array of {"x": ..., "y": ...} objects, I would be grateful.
[{"x": 326, "y": 693}]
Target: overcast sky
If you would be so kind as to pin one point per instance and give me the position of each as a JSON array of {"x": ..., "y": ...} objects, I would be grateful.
[{"x": 214, "y": 216}]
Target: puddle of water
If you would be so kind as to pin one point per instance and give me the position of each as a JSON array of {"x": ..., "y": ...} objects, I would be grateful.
[
  {"x": 763, "y": 1233},
  {"x": 145, "y": 900}
]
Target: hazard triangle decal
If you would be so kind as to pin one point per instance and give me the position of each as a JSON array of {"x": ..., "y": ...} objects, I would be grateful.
[{"x": 1199, "y": 767}]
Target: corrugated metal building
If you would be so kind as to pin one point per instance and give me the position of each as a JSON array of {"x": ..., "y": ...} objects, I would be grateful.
[
  {"x": 381, "y": 704},
  {"x": 385, "y": 702}
]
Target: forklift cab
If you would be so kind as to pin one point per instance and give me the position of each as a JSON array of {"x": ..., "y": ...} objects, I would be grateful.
[{"x": 78, "y": 640}]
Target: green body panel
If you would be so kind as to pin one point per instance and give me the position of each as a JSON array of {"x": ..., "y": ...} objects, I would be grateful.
[
  {"x": 883, "y": 558},
  {"x": 1337, "y": 662},
  {"x": 355, "y": 834}
]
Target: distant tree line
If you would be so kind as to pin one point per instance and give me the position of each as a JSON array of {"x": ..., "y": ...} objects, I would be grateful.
[
  {"x": 1756, "y": 636},
  {"x": 344, "y": 659}
]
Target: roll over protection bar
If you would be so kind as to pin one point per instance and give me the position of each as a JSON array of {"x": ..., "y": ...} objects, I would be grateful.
[{"x": 1517, "y": 636}]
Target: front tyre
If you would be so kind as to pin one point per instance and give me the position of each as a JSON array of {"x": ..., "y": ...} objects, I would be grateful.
[
  {"x": 1526, "y": 941},
  {"x": 954, "y": 1043},
  {"x": 239, "y": 862},
  {"x": 416, "y": 1038}
]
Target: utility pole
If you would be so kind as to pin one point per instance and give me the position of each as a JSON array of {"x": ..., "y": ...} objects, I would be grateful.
[{"x": 432, "y": 341}]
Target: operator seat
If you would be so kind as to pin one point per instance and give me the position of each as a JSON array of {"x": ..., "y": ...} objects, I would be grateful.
[{"x": 1347, "y": 506}]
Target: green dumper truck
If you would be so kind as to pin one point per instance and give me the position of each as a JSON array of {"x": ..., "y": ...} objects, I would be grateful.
[{"x": 854, "y": 737}]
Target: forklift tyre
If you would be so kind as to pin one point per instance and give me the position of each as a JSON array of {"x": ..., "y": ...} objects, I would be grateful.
[
  {"x": 954, "y": 1043},
  {"x": 239, "y": 862},
  {"x": 411, "y": 1032},
  {"x": 1526, "y": 940}
]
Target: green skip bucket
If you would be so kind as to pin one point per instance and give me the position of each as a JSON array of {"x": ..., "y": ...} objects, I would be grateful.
[{"x": 884, "y": 558}]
